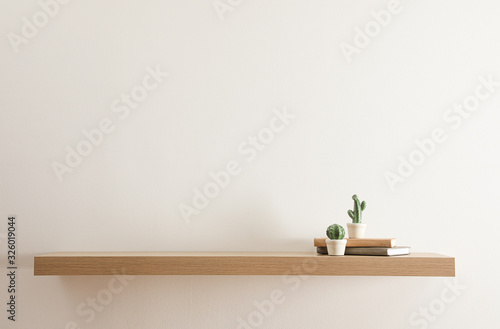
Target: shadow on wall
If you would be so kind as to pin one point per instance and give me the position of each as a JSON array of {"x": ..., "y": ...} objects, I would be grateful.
[
  {"x": 146, "y": 301},
  {"x": 100, "y": 300}
]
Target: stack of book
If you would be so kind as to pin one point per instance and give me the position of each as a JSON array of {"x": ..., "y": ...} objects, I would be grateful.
[{"x": 367, "y": 247}]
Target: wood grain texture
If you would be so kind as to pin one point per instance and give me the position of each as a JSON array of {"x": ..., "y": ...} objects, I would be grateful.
[{"x": 241, "y": 263}]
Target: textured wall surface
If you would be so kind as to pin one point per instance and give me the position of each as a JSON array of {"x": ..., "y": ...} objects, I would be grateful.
[{"x": 118, "y": 119}]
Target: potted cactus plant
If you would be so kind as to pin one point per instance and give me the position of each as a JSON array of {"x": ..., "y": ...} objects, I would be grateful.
[
  {"x": 335, "y": 242},
  {"x": 356, "y": 229}
]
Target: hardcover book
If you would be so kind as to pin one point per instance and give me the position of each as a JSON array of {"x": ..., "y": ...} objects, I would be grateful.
[
  {"x": 370, "y": 251},
  {"x": 388, "y": 243}
]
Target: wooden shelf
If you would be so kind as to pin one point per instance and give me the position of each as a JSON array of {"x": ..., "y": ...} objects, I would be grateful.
[{"x": 241, "y": 263}]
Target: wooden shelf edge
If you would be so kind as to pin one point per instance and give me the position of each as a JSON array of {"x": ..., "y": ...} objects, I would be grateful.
[{"x": 224, "y": 263}]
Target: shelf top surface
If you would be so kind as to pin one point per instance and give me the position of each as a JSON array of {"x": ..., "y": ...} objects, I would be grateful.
[{"x": 221, "y": 254}]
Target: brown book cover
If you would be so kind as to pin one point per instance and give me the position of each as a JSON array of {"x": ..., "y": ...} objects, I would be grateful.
[{"x": 386, "y": 243}]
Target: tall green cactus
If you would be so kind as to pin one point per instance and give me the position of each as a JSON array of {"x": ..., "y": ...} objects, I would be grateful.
[
  {"x": 335, "y": 232},
  {"x": 358, "y": 209}
]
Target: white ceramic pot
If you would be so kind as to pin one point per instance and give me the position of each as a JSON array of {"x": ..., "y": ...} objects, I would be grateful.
[
  {"x": 356, "y": 231},
  {"x": 336, "y": 247}
]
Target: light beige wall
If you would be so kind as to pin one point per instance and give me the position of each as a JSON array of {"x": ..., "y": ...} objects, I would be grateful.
[{"x": 351, "y": 119}]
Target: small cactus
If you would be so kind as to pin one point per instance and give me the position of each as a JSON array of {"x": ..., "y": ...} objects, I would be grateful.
[
  {"x": 358, "y": 209},
  {"x": 335, "y": 232}
]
